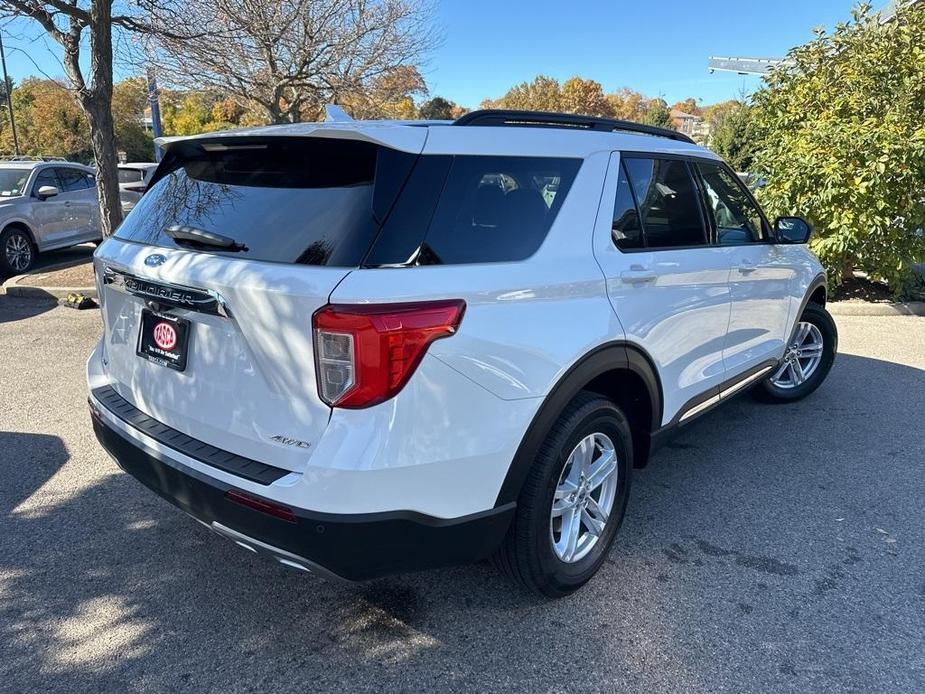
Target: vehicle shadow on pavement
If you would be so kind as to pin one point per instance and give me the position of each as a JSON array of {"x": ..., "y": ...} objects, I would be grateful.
[
  {"x": 747, "y": 532},
  {"x": 14, "y": 309},
  {"x": 30, "y": 460}
]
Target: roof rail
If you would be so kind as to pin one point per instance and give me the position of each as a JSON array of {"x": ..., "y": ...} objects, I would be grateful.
[
  {"x": 543, "y": 119},
  {"x": 28, "y": 158}
]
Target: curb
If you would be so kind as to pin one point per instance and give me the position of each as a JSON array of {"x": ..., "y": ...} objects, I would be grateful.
[
  {"x": 11, "y": 287},
  {"x": 851, "y": 308}
]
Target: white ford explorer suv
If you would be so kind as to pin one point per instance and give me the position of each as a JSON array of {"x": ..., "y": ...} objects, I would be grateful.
[{"x": 362, "y": 348}]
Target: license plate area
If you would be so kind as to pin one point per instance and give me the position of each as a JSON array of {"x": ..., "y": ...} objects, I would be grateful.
[{"x": 163, "y": 339}]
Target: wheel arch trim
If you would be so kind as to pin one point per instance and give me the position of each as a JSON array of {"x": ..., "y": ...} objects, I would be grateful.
[
  {"x": 21, "y": 224},
  {"x": 618, "y": 355},
  {"x": 817, "y": 282}
]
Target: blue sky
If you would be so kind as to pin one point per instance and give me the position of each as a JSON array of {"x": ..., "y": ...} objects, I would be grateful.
[{"x": 659, "y": 48}]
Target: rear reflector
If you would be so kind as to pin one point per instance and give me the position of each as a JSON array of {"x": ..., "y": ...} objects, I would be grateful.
[
  {"x": 365, "y": 354},
  {"x": 262, "y": 505}
]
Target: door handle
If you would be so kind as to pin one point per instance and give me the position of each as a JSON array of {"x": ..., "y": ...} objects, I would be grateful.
[
  {"x": 637, "y": 273},
  {"x": 746, "y": 266}
]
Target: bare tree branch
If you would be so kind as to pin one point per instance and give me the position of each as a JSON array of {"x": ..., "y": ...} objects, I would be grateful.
[{"x": 292, "y": 56}]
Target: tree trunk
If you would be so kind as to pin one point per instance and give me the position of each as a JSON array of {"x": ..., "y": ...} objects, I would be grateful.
[
  {"x": 96, "y": 102},
  {"x": 847, "y": 269},
  {"x": 99, "y": 116}
]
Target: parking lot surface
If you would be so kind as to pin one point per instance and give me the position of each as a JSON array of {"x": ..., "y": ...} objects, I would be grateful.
[
  {"x": 768, "y": 548},
  {"x": 83, "y": 252}
]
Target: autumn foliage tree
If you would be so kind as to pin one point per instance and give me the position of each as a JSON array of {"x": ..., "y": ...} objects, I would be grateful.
[
  {"x": 842, "y": 141},
  {"x": 583, "y": 96},
  {"x": 49, "y": 121},
  {"x": 439, "y": 108}
]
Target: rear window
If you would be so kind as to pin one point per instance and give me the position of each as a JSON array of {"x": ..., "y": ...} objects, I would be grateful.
[
  {"x": 474, "y": 209},
  {"x": 130, "y": 176},
  {"x": 325, "y": 201},
  {"x": 291, "y": 200}
]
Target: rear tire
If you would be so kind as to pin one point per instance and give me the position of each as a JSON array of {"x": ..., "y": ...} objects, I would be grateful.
[
  {"x": 815, "y": 327},
  {"x": 534, "y": 552},
  {"x": 17, "y": 252}
]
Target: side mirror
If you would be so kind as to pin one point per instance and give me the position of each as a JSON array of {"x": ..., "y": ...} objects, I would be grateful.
[
  {"x": 46, "y": 192},
  {"x": 793, "y": 230}
]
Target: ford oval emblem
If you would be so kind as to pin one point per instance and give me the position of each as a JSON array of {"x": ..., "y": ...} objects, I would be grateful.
[{"x": 155, "y": 259}]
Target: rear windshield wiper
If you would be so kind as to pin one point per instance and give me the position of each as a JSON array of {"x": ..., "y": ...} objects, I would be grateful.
[{"x": 202, "y": 237}]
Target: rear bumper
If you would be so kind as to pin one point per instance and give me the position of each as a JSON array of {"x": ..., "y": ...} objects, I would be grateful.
[{"x": 353, "y": 547}]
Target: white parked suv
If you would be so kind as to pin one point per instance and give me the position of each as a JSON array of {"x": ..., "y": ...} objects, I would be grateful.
[
  {"x": 44, "y": 206},
  {"x": 363, "y": 348}
]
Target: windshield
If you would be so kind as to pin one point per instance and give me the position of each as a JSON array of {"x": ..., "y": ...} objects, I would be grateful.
[{"x": 12, "y": 182}]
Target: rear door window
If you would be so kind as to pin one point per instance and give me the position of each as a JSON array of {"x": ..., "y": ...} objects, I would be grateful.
[
  {"x": 72, "y": 180},
  {"x": 668, "y": 202},
  {"x": 314, "y": 201}
]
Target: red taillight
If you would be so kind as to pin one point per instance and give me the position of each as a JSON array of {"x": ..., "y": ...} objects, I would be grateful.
[
  {"x": 366, "y": 353},
  {"x": 262, "y": 505}
]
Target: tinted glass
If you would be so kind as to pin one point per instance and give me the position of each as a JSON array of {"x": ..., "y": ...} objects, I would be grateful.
[
  {"x": 90, "y": 180},
  {"x": 736, "y": 217},
  {"x": 72, "y": 180},
  {"x": 667, "y": 201},
  {"x": 495, "y": 209},
  {"x": 400, "y": 240},
  {"x": 293, "y": 200},
  {"x": 12, "y": 182},
  {"x": 130, "y": 176},
  {"x": 626, "y": 229},
  {"x": 46, "y": 177}
]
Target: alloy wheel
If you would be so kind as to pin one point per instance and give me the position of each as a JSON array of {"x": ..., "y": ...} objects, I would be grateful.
[
  {"x": 802, "y": 358},
  {"x": 18, "y": 252},
  {"x": 584, "y": 498}
]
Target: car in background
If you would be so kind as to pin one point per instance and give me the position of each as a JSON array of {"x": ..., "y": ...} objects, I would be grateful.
[
  {"x": 47, "y": 205},
  {"x": 134, "y": 177},
  {"x": 752, "y": 180}
]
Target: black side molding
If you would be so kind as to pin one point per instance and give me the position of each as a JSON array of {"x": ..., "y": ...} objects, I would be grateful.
[{"x": 232, "y": 463}]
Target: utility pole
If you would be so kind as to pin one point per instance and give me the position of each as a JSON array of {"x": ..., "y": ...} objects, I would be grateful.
[
  {"x": 153, "y": 101},
  {"x": 9, "y": 97}
]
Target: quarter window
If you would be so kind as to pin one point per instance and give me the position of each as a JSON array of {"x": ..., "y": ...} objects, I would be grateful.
[
  {"x": 668, "y": 202},
  {"x": 736, "y": 217}
]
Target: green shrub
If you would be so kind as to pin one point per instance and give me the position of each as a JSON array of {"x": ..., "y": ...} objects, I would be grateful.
[{"x": 840, "y": 139}]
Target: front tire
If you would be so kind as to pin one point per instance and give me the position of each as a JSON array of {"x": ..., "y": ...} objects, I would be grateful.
[
  {"x": 808, "y": 358},
  {"x": 17, "y": 252},
  {"x": 573, "y": 500}
]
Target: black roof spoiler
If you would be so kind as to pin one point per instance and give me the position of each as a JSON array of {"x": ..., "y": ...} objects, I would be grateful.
[{"x": 543, "y": 119}]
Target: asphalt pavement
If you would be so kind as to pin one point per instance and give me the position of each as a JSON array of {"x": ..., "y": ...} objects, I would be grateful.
[
  {"x": 83, "y": 252},
  {"x": 768, "y": 549}
]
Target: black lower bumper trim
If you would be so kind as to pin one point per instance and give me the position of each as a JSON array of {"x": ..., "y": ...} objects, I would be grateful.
[
  {"x": 251, "y": 470},
  {"x": 356, "y": 547}
]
